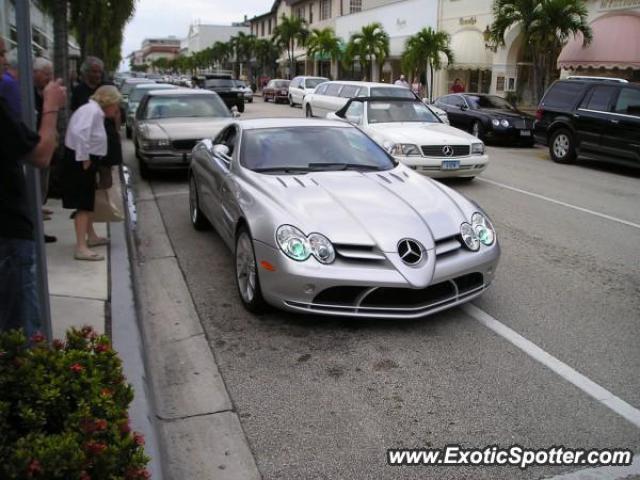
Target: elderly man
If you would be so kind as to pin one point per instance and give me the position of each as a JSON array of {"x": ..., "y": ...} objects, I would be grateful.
[
  {"x": 19, "y": 305},
  {"x": 9, "y": 88}
]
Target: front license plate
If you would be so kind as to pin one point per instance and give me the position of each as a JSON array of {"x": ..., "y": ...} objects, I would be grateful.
[
  {"x": 525, "y": 133},
  {"x": 450, "y": 164}
]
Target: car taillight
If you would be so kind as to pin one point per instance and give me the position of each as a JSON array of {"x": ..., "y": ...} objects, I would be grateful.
[{"x": 539, "y": 113}]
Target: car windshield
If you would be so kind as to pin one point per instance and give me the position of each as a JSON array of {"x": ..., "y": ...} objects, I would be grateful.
[
  {"x": 314, "y": 82},
  {"x": 239, "y": 83},
  {"x": 139, "y": 92},
  {"x": 219, "y": 82},
  {"x": 487, "y": 101},
  {"x": 391, "y": 92},
  {"x": 186, "y": 106},
  {"x": 280, "y": 84},
  {"x": 128, "y": 86},
  {"x": 391, "y": 112},
  {"x": 325, "y": 148}
]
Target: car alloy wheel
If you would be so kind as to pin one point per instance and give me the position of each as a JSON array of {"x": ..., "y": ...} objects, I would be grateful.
[
  {"x": 198, "y": 220},
  {"x": 561, "y": 147},
  {"x": 247, "y": 279}
]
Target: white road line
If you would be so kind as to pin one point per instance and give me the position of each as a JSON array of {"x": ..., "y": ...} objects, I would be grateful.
[
  {"x": 603, "y": 473},
  {"x": 558, "y": 202},
  {"x": 591, "y": 388}
]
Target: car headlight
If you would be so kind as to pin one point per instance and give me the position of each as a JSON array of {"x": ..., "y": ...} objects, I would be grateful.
[
  {"x": 495, "y": 122},
  {"x": 298, "y": 246},
  {"x": 483, "y": 229},
  {"x": 469, "y": 237},
  {"x": 405, "y": 150},
  {"x": 477, "y": 148},
  {"x": 504, "y": 123},
  {"x": 162, "y": 143}
]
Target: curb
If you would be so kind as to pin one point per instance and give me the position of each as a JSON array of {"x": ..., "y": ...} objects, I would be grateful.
[{"x": 200, "y": 434}]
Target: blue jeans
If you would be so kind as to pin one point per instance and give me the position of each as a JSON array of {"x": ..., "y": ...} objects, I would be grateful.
[{"x": 19, "y": 305}]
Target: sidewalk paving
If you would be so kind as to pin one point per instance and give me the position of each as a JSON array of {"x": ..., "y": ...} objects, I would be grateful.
[{"x": 78, "y": 290}]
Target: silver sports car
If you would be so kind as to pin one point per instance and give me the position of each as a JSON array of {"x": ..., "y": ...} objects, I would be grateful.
[{"x": 321, "y": 219}]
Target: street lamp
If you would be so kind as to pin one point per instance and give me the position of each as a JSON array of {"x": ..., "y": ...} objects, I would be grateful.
[{"x": 488, "y": 42}]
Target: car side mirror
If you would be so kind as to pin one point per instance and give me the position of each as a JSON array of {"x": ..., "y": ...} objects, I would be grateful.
[
  {"x": 234, "y": 112},
  {"x": 221, "y": 151},
  {"x": 464, "y": 107}
]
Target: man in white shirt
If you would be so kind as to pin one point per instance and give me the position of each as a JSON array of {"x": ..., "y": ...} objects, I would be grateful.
[{"x": 402, "y": 81}]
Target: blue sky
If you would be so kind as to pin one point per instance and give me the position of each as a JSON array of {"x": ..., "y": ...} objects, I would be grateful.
[{"x": 162, "y": 18}]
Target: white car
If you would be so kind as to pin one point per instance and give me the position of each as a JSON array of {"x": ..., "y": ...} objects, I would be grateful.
[
  {"x": 300, "y": 87},
  {"x": 416, "y": 137},
  {"x": 246, "y": 91},
  {"x": 329, "y": 97}
]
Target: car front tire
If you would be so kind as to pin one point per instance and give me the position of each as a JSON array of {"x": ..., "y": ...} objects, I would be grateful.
[
  {"x": 291, "y": 104},
  {"x": 198, "y": 220},
  {"x": 308, "y": 112},
  {"x": 562, "y": 147},
  {"x": 246, "y": 271},
  {"x": 128, "y": 132}
]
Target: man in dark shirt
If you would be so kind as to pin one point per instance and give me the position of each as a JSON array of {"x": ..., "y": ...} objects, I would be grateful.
[{"x": 19, "y": 305}]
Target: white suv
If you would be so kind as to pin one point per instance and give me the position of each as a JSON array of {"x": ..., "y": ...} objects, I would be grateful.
[
  {"x": 301, "y": 86},
  {"x": 330, "y": 97}
]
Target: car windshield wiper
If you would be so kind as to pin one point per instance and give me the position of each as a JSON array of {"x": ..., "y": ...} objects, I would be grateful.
[
  {"x": 282, "y": 169},
  {"x": 341, "y": 166}
]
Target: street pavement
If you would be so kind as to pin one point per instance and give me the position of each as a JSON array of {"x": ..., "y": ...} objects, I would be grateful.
[{"x": 324, "y": 398}]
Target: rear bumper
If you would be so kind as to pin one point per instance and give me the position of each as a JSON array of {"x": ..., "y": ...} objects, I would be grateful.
[{"x": 170, "y": 159}]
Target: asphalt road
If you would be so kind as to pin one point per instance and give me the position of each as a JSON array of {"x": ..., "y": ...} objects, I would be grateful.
[{"x": 324, "y": 398}]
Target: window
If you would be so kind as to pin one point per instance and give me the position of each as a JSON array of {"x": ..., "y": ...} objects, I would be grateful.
[
  {"x": 562, "y": 94},
  {"x": 457, "y": 101},
  {"x": 628, "y": 102},
  {"x": 349, "y": 91},
  {"x": 325, "y": 9},
  {"x": 354, "y": 112},
  {"x": 310, "y": 13},
  {"x": 262, "y": 28},
  {"x": 355, "y": 6},
  {"x": 333, "y": 90},
  {"x": 269, "y": 26},
  {"x": 300, "y": 13},
  {"x": 321, "y": 89},
  {"x": 599, "y": 99}
]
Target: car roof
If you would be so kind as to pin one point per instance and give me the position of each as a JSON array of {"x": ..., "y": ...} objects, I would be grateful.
[
  {"x": 158, "y": 86},
  {"x": 343, "y": 110},
  {"x": 139, "y": 80},
  {"x": 366, "y": 84},
  {"x": 284, "y": 122},
  {"x": 180, "y": 91}
]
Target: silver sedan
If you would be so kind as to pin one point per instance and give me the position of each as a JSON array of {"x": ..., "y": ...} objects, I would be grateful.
[{"x": 320, "y": 219}]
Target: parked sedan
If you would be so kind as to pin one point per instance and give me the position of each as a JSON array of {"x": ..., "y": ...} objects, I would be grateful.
[
  {"x": 276, "y": 90},
  {"x": 168, "y": 123},
  {"x": 488, "y": 117},
  {"x": 137, "y": 93},
  {"x": 339, "y": 229},
  {"x": 301, "y": 86},
  {"x": 415, "y": 136}
]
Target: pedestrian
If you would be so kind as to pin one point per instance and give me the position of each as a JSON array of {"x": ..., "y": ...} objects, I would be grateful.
[
  {"x": 85, "y": 144},
  {"x": 416, "y": 88},
  {"x": 19, "y": 305},
  {"x": 458, "y": 86},
  {"x": 9, "y": 87},
  {"x": 402, "y": 81},
  {"x": 42, "y": 75}
]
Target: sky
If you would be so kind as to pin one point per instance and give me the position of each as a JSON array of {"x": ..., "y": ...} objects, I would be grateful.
[{"x": 162, "y": 18}]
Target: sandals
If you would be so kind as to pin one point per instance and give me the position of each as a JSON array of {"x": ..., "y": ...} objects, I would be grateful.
[
  {"x": 92, "y": 257},
  {"x": 98, "y": 242}
]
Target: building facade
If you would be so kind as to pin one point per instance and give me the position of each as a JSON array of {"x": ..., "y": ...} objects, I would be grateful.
[{"x": 203, "y": 36}]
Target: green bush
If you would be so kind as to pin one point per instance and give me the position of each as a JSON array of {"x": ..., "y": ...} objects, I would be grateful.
[{"x": 63, "y": 410}]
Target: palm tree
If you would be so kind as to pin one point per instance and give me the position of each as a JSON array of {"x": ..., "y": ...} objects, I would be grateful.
[
  {"x": 323, "y": 44},
  {"x": 546, "y": 25},
  {"x": 289, "y": 31},
  {"x": 221, "y": 52},
  {"x": 426, "y": 48},
  {"x": 267, "y": 54},
  {"x": 243, "y": 47},
  {"x": 369, "y": 44}
]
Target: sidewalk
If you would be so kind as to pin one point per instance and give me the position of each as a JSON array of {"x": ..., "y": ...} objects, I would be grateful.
[{"x": 78, "y": 290}]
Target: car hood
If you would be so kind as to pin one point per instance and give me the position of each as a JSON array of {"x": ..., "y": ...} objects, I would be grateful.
[
  {"x": 184, "y": 128},
  {"x": 419, "y": 133},
  {"x": 369, "y": 209}
]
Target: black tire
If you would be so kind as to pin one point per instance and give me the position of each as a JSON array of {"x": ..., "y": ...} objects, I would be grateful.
[
  {"x": 252, "y": 302},
  {"x": 562, "y": 147},
  {"x": 264, "y": 97},
  {"x": 145, "y": 172},
  {"x": 198, "y": 219},
  {"x": 466, "y": 179},
  {"x": 241, "y": 107},
  {"x": 308, "y": 112},
  {"x": 251, "y": 100},
  {"x": 291, "y": 104},
  {"x": 128, "y": 131},
  {"x": 477, "y": 130}
]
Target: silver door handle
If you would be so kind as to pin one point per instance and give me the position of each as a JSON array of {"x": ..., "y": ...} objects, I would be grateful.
[
  {"x": 576, "y": 115},
  {"x": 614, "y": 121}
]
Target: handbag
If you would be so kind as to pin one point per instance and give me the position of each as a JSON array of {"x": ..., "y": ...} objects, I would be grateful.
[
  {"x": 108, "y": 206},
  {"x": 104, "y": 179}
]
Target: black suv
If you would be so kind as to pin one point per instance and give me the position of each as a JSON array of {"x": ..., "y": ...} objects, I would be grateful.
[{"x": 597, "y": 118}]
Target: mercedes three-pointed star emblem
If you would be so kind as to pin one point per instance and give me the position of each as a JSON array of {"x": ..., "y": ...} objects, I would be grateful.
[
  {"x": 447, "y": 150},
  {"x": 410, "y": 251}
]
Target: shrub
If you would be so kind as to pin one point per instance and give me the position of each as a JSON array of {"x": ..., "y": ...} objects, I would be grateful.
[{"x": 63, "y": 410}]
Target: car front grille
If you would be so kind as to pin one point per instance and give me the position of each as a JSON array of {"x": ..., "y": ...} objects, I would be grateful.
[
  {"x": 522, "y": 123},
  {"x": 398, "y": 302},
  {"x": 437, "y": 151},
  {"x": 184, "y": 144}
]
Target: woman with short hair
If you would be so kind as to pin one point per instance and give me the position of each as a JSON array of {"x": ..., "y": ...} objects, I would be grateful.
[{"x": 85, "y": 144}]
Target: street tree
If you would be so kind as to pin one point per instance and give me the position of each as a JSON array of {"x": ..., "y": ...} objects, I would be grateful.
[
  {"x": 322, "y": 45},
  {"x": 545, "y": 26},
  {"x": 243, "y": 48},
  {"x": 267, "y": 54},
  {"x": 368, "y": 45},
  {"x": 289, "y": 32}
]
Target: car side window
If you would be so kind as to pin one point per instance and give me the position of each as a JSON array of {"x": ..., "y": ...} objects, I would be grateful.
[
  {"x": 294, "y": 83},
  {"x": 456, "y": 101},
  {"x": 628, "y": 102},
  {"x": 349, "y": 91},
  {"x": 321, "y": 89},
  {"x": 333, "y": 90},
  {"x": 599, "y": 99},
  {"x": 355, "y": 112}
]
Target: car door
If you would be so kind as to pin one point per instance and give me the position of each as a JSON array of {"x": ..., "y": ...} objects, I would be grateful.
[
  {"x": 331, "y": 99},
  {"x": 214, "y": 174},
  {"x": 228, "y": 188},
  {"x": 456, "y": 112},
  {"x": 593, "y": 118},
  {"x": 622, "y": 137}
]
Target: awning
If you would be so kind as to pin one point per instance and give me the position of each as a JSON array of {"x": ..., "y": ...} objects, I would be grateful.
[
  {"x": 615, "y": 44},
  {"x": 469, "y": 51}
]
